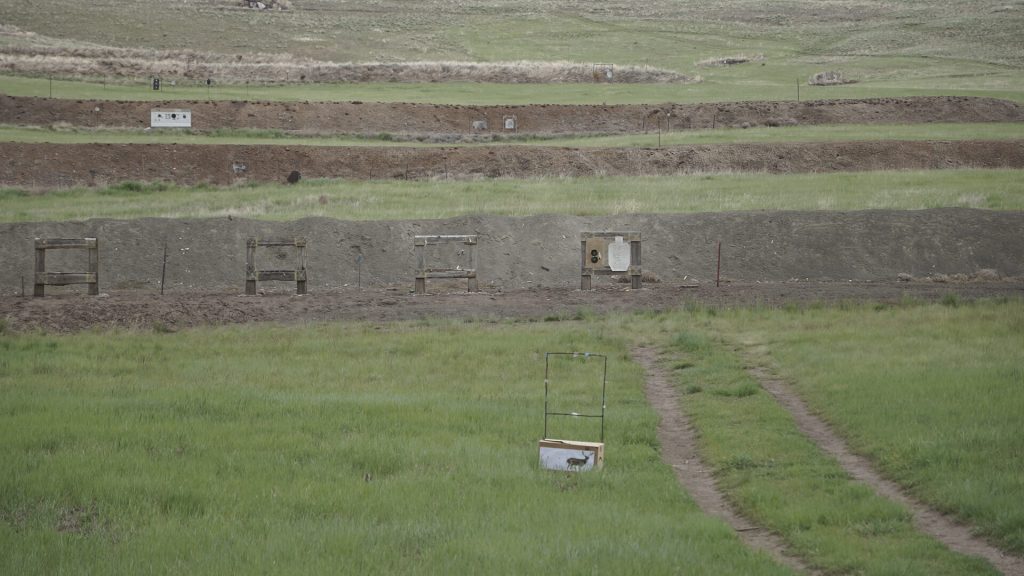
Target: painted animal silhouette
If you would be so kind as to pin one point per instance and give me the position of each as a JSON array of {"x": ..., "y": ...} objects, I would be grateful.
[{"x": 578, "y": 462}]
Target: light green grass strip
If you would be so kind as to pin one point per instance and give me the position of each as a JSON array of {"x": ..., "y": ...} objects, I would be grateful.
[
  {"x": 316, "y": 449},
  {"x": 781, "y": 480},
  {"x": 729, "y": 86},
  {"x": 391, "y": 200},
  {"x": 832, "y": 133},
  {"x": 933, "y": 394}
]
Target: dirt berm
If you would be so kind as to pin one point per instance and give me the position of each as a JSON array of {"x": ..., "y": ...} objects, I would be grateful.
[
  {"x": 63, "y": 165},
  {"x": 435, "y": 119},
  {"x": 539, "y": 251}
]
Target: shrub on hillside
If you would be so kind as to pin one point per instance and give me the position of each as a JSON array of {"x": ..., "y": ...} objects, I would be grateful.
[{"x": 830, "y": 78}]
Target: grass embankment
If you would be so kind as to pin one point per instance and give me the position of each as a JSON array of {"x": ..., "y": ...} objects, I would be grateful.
[
  {"x": 396, "y": 200},
  {"x": 764, "y": 134},
  {"x": 732, "y": 86},
  {"x": 933, "y": 394},
  {"x": 377, "y": 449}
]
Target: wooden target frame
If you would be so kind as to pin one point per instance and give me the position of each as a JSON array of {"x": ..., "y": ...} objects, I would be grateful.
[
  {"x": 594, "y": 257},
  {"x": 252, "y": 275},
  {"x": 44, "y": 278},
  {"x": 420, "y": 244}
]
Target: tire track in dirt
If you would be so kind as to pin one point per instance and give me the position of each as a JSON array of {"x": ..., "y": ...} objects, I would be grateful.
[
  {"x": 679, "y": 450},
  {"x": 943, "y": 528}
]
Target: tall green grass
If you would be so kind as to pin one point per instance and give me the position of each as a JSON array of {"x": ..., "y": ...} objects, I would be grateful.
[
  {"x": 388, "y": 200},
  {"x": 332, "y": 448},
  {"x": 932, "y": 394}
]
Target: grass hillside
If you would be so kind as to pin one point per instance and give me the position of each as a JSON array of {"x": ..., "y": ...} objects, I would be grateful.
[
  {"x": 659, "y": 32},
  {"x": 396, "y": 200},
  {"x": 890, "y": 47}
]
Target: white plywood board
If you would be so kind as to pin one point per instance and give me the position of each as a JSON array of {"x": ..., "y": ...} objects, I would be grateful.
[{"x": 170, "y": 118}]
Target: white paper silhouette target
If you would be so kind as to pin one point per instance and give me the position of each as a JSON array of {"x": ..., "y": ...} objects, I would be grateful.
[{"x": 618, "y": 255}]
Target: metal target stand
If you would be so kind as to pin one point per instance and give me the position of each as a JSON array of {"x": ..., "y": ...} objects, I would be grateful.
[{"x": 572, "y": 455}]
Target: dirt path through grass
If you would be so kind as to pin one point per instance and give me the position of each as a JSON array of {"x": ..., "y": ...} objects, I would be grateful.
[
  {"x": 679, "y": 450},
  {"x": 941, "y": 527}
]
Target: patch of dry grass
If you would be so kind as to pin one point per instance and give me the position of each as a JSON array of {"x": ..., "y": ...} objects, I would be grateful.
[{"x": 40, "y": 56}]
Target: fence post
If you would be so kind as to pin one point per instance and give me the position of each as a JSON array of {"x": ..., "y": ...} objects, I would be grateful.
[
  {"x": 250, "y": 267},
  {"x": 39, "y": 289}
]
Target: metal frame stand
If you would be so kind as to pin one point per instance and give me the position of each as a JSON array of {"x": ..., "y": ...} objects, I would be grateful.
[{"x": 547, "y": 386}]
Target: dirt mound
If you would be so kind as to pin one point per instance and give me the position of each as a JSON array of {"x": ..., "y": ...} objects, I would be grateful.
[
  {"x": 516, "y": 253},
  {"x": 46, "y": 166},
  {"x": 433, "y": 119}
]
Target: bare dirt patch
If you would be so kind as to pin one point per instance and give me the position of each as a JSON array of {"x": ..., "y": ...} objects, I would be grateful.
[
  {"x": 431, "y": 120},
  {"x": 941, "y": 527},
  {"x": 148, "y": 310},
  {"x": 678, "y": 442},
  {"x": 48, "y": 166}
]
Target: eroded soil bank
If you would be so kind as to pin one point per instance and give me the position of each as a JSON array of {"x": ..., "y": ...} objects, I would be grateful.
[
  {"x": 440, "y": 119},
  {"x": 47, "y": 166}
]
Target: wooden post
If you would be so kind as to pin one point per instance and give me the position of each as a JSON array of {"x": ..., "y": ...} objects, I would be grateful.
[
  {"x": 471, "y": 283},
  {"x": 421, "y": 269},
  {"x": 39, "y": 289},
  {"x": 300, "y": 274},
  {"x": 94, "y": 267},
  {"x": 250, "y": 267},
  {"x": 585, "y": 276},
  {"x": 635, "y": 277}
]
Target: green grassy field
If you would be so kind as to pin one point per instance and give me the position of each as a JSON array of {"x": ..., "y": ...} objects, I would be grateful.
[
  {"x": 411, "y": 447},
  {"x": 931, "y": 393},
  {"x": 391, "y": 200},
  {"x": 831, "y": 133},
  {"x": 368, "y": 449}
]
